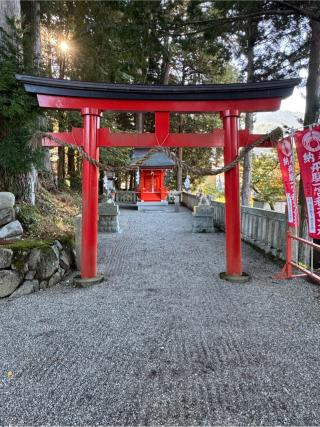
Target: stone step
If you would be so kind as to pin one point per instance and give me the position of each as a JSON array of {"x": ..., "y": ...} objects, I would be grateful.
[{"x": 152, "y": 206}]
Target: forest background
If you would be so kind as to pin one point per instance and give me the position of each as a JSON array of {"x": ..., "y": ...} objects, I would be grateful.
[{"x": 148, "y": 42}]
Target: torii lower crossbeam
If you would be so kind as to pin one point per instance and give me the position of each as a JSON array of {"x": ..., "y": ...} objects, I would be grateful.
[{"x": 106, "y": 139}]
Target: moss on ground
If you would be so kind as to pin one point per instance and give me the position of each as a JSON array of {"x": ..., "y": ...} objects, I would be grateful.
[
  {"x": 21, "y": 249},
  {"x": 28, "y": 244}
]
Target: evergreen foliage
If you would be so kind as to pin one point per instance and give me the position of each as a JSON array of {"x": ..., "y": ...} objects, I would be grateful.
[
  {"x": 19, "y": 114},
  {"x": 150, "y": 42},
  {"x": 123, "y": 42}
]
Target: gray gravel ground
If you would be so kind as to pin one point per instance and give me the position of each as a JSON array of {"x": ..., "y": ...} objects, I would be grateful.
[{"x": 163, "y": 340}]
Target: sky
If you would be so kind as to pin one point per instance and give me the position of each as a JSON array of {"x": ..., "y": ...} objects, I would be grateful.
[
  {"x": 296, "y": 102},
  {"x": 290, "y": 114}
]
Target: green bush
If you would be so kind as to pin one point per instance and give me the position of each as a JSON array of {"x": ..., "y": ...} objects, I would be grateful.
[
  {"x": 211, "y": 190},
  {"x": 28, "y": 215}
]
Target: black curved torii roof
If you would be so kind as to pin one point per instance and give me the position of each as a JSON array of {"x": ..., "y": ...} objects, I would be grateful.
[{"x": 201, "y": 92}]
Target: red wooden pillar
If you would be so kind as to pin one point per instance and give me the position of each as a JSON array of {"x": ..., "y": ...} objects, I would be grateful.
[
  {"x": 232, "y": 198},
  {"x": 90, "y": 176}
]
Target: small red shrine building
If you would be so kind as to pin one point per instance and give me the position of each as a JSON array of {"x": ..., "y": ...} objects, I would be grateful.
[{"x": 151, "y": 187}]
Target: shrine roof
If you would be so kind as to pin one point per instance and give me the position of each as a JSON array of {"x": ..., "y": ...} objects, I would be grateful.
[
  {"x": 234, "y": 91},
  {"x": 156, "y": 160}
]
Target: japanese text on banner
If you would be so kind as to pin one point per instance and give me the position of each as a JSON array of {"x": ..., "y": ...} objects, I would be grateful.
[
  {"x": 286, "y": 160},
  {"x": 308, "y": 149}
]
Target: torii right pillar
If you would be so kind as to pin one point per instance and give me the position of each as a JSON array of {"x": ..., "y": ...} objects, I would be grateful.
[{"x": 233, "y": 271}]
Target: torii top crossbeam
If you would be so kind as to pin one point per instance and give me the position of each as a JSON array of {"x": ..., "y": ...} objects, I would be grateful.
[
  {"x": 93, "y": 98},
  {"x": 245, "y": 97}
]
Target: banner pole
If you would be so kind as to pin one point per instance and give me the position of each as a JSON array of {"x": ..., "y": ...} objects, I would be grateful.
[
  {"x": 311, "y": 256},
  {"x": 295, "y": 195}
]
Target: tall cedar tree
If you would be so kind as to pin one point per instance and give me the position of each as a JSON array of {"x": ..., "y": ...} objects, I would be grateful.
[{"x": 18, "y": 111}]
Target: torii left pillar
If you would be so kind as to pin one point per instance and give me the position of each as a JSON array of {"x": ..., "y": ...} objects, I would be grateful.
[
  {"x": 233, "y": 271},
  {"x": 90, "y": 186}
]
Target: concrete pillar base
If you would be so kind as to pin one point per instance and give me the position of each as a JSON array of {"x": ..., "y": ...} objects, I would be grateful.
[
  {"x": 235, "y": 279},
  {"x": 79, "y": 282}
]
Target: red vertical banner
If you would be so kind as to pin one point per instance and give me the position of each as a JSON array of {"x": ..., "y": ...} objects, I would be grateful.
[
  {"x": 286, "y": 160},
  {"x": 308, "y": 149}
]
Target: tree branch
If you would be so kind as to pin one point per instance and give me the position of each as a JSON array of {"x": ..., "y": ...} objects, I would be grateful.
[
  {"x": 292, "y": 57},
  {"x": 298, "y": 10},
  {"x": 223, "y": 21},
  {"x": 291, "y": 9},
  {"x": 239, "y": 17}
]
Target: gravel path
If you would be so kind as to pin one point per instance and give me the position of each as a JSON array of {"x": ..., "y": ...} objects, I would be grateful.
[{"x": 163, "y": 340}]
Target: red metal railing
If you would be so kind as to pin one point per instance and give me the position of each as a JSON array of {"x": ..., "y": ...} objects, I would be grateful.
[{"x": 287, "y": 271}]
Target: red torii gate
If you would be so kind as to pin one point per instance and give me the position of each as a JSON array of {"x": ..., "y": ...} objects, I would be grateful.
[{"x": 93, "y": 98}]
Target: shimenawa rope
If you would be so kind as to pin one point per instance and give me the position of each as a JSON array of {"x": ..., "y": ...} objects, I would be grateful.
[{"x": 274, "y": 136}]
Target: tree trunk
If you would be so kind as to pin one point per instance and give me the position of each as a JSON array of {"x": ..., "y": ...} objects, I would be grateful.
[
  {"x": 61, "y": 167},
  {"x": 116, "y": 182},
  {"x": 46, "y": 175},
  {"x": 78, "y": 163},
  {"x": 23, "y": 184},
  {"x": 9, "y": 9},
  {"x": 311, "y": 116},
  {"x": 166, "y": 63},
  {"x": 247, "y": 163},
  {"x": 179, "y": 170},
  {"x": 131, "y": 187},
  {"x": 313, "y": 81},
  {"x": 139, "y": 122},
  {"x": 31, "y": 38},
  {"x": 30, "y": 11},
  {"x": 180, "y": 149},
  {"x": 247, "y": 167},
  {"x": 71, "y": 168},
  {"x": 166, "y": 72}
]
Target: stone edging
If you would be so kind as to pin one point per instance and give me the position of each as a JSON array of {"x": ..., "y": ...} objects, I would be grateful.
[{"x": 30, "y": 266}]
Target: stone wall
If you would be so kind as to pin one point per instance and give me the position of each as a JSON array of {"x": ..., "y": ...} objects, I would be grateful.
[
  {"x": 10, "y": 228},
  {"x": 262, "y": 228},
  {"x": 30, "y": 266},
  {"x": 126, "y": 197},
  {"x": 189, "y": 200}
]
